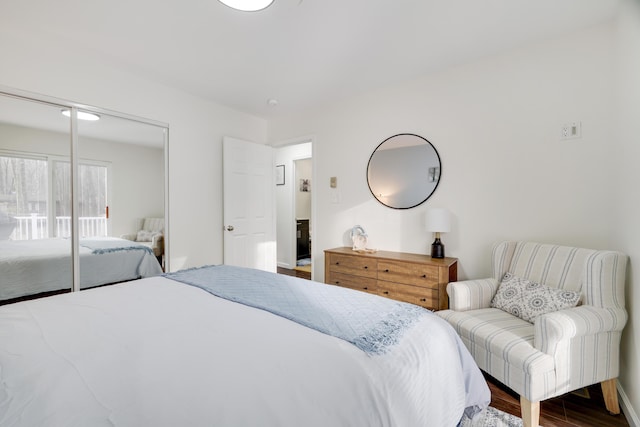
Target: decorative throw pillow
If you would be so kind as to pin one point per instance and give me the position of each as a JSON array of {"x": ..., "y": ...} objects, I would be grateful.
[
  {"x": 145, "y": 236},
  {"x": 528, "y": 300}
]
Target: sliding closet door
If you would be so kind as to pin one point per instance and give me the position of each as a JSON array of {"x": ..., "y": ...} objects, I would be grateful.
[
  {"x": 121, "y": 182},
  {"x": 35, "y": 202}
]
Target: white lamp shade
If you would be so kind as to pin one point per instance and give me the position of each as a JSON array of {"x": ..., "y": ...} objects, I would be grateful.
[{"x": 437, "y": 220}]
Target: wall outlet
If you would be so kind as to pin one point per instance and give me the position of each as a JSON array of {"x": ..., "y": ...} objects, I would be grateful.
[{"x": 571, "y": 130}]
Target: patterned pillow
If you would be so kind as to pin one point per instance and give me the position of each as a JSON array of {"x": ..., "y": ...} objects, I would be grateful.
[
  {"x": 146, "y": 236},
  {"x": 528, "y": 300}
]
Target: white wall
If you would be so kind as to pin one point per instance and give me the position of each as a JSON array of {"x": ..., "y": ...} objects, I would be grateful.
[
  {"x": 505, "y": 172},
  {"x": 496, "y": 124},
  {"x": 285, "y": 210},
  {"x": 196, "y": 130},
  {"x": 625, "y": 210}
]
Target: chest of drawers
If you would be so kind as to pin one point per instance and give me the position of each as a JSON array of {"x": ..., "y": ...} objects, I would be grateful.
[{"x": 418, "y": 279}]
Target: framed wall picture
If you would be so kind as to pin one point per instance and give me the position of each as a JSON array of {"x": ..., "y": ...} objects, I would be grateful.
[{"x": 280, "y": 175}]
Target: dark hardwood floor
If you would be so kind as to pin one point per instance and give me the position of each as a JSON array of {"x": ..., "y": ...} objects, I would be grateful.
[
  {"x": 304, "y": 273},
  {"x": 582, "y": 408}
]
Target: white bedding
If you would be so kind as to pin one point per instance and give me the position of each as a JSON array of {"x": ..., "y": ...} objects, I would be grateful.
[
  {"x": 155, "y": 352},
  {"x": 30, "y": 267}
]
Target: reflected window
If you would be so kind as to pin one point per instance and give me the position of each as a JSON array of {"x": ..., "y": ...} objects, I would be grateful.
[
  {"x": 92, "y": 199},
  {"x": 25, "y": 189},
  {"x": 23, "y": 198}
]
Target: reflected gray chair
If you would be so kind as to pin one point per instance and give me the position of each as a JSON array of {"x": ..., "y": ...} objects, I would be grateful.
[{"x": 150, "y": 232}]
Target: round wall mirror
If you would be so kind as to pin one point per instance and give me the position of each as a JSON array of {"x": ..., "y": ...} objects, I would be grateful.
[{"x": 403, "y": 171}]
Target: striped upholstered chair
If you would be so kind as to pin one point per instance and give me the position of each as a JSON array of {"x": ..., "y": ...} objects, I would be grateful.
[{"x": 559, "y": 351}]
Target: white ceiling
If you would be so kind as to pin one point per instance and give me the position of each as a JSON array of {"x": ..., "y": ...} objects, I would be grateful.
[{"x": 304, "y": 53}]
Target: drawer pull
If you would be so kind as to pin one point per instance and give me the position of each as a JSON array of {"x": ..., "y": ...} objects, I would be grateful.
[
  {"x": 423, "y": 299},
  {"x": 365, "y": 288},
  {"x": 386, "y": 292},
  {"x": 337, "y": 262},
  {"x": 386, "y": 270},
  {"x": 365, "y": 267},
  {"x": 424, "y": 276},
  {"x": 337, "y": 282}
]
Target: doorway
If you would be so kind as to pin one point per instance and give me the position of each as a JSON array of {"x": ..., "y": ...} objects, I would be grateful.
[{"x": 294, "y": 208}]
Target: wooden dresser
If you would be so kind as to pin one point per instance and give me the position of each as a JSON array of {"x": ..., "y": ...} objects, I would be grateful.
[{"x": 418, "y": 279}]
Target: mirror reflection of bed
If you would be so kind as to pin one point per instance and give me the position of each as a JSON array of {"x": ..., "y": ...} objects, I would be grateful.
[
  {"x": 120, "y": 181},
  {"x": 33, "y": 268}
]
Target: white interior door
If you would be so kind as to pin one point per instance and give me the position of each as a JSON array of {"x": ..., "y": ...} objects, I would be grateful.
[{"x": 249, "y": 207}]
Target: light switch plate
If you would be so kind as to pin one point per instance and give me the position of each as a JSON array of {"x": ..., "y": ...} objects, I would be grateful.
[{"x": 571, "y": 130}]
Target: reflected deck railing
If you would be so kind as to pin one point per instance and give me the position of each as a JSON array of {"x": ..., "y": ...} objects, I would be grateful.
[{"x": 37, "y": 227}]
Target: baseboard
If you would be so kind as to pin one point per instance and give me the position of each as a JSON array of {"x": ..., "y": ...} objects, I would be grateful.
[
  {"x": 625, "y": 405},
  {"x": 285, "y": 265}
]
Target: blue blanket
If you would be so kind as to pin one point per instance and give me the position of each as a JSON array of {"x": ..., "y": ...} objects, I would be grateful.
[
  {"x": 106, "y": 245},
  {"x": 370, "y": 322}
]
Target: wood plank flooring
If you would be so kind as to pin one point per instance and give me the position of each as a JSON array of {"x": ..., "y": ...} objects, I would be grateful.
[
  {"x": 583, "y": 408},
  {"x": 302, "y": 272}
]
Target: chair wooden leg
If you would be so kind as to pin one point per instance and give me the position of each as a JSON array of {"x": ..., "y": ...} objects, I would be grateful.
[
  {"x": 530, "y": 412},
  {"x": 610, "y": 396}
]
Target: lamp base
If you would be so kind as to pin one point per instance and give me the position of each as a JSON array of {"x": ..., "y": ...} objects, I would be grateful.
[{"x": 437, "y": 249}]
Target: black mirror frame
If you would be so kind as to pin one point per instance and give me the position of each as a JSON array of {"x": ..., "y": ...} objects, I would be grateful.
[{"x": 434, "y": 188}]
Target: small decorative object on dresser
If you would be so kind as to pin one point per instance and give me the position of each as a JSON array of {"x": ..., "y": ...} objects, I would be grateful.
[
  {"x": 415, "y": 278},
  {"x": 359, "y": 239}
]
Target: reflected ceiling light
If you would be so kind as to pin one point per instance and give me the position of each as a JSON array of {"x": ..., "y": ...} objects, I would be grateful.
[
  {"x": 82, "y": 115},
  {"x": 247, "y": 5}
]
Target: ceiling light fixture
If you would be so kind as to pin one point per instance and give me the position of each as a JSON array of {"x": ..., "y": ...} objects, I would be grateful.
[
  {"x": 82, "y": 115},
  {"x": 247, "y": 5}
]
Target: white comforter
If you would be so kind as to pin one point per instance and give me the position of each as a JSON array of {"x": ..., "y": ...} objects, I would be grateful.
[{"x": 155, "y": 352}]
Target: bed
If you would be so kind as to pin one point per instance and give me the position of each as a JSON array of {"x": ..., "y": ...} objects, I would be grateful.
[
  {"x": 32, "y": 267},
  {"x": 172, "y": 350}
]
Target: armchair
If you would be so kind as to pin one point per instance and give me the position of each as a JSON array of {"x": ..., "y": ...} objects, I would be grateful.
[
  {"x": 560, "y": 351},
  {"x": 150, "y": 233}
]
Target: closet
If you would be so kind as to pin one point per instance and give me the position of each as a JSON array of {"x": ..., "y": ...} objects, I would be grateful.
[{"x": 69, "y": 171}]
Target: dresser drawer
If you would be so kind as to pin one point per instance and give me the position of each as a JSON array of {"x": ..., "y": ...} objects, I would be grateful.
[
  {"x": 408, "y": 273},
  {"x": 425, "y": 297},
  {"x": 365, "y": 284},
  {"x": 356, "y": 265}
]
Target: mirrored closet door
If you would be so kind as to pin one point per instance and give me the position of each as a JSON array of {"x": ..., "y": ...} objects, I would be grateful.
[
  {"x": 78, "y": 186},
  {"x": 35, "y": 249}
]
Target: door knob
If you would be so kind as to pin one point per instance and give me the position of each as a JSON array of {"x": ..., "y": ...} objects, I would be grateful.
[{"x": 229, "y": 227}]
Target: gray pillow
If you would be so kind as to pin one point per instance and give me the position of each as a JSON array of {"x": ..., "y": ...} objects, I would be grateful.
[{"x": 527, "y": 299}]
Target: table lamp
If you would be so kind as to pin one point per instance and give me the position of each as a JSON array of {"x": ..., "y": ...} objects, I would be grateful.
[{"x": 437, "y": 220}]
